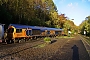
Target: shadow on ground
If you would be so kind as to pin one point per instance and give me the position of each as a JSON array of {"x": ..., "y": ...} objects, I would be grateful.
[
  {"x": 75, "y": 53},
  {"x": 53, "y": 41}
]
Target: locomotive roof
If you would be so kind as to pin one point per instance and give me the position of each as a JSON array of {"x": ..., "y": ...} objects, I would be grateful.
[
  {"x": 24, "y": 26},
  {"x": 35, "y": 27},
  {"x": 56, "y": 29}
]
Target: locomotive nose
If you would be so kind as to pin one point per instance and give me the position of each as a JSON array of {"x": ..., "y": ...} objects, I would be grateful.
[{"x": 10, "y": 33}]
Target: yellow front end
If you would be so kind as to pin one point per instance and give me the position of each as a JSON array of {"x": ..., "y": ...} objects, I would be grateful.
[{"x": 16, "y": 33}]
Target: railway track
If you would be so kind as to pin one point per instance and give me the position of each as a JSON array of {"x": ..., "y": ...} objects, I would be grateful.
[
  {"x": 86, "y": 44},
  {"x": 11, "y": 49},
  {"x": 5, "y": 46},
  {"x": 16, "y": 46}
]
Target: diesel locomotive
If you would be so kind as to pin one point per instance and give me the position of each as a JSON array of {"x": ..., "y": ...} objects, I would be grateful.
[{"x": 18, "y": 33}]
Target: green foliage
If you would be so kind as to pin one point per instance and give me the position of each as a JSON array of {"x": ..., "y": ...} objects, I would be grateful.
[
  {"x": 69, "y": 25},
  {"x": 40, "y": 46},
  {"x": 29, "y": 12},
  {"x": 85, "y": 26},
  {"x": 47, "y": 39}
]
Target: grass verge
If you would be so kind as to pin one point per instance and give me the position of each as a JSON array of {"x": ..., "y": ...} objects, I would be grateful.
[
  {"x": 87, "y": 39},
  {"x": 40, "y": 45}
]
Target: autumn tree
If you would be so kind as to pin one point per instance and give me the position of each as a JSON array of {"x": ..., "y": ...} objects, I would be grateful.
[{"x": 62, "y": 20}]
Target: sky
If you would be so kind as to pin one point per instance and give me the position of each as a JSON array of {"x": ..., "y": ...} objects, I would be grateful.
[{"x": 74, "y": 9}]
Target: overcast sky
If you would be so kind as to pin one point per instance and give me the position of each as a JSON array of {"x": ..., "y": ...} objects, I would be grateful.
[{"x": 74, "y": 9}]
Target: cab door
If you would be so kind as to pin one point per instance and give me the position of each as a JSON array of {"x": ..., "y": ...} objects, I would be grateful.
[
  {"x": 10, "y": 33},
  {"x": 28, "y": 32}
]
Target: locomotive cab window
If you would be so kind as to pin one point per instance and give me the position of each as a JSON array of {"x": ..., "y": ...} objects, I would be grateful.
[
  {"x": 10, "y": 30},
  {"x": 18, "y": 30}
]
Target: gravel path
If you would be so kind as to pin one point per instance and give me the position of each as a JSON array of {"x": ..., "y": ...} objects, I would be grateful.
[{"x": 73, "y": 50}]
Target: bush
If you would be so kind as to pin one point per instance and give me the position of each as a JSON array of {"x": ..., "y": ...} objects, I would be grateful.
[{"x": 47, "y": 40}]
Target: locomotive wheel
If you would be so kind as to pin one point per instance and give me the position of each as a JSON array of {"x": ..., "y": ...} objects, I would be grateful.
[
  {"x": 8, "y": 41},
  {"x": 13, "y": 41},
  {"x": 19, "y": 41},
  {"x": 31, "y": 38},
  {"x": 4, "y": 41},
  {"x": 35, "y": 37},
  {"x": 26, "y": 40}
]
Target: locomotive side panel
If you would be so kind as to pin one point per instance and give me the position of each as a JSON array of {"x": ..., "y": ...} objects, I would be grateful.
[
  {"x": 20, "y": 33},
  {"x": 36, "y": 32},
  {"x": 52, "y": 32},
  {"x": 17, "y": 33}
]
